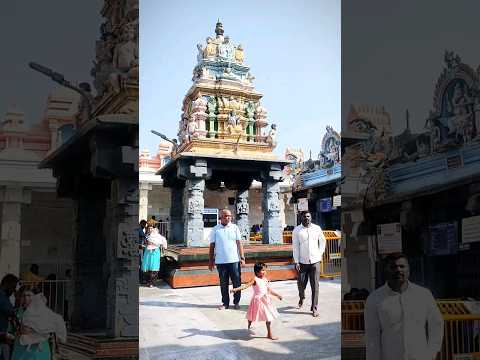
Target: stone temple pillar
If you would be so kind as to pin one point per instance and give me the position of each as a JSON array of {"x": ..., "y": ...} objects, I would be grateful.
[
  {"x": 195, "y": 176},
  {"x": 272, "y": 225},
  {"x": 242, "y": 214},
  {"x": 194, "y": 205},
  {"x": 12, "y": 198},
  {"x": 176, "y": 215},
  {"x": 122, "y": 258}
]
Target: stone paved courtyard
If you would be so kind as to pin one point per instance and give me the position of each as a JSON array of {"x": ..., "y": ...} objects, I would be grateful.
[{"x": 185, "y": 324}]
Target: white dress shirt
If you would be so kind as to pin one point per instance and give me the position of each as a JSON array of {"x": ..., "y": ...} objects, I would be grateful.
[
  {"x": 308, "y": 244},
  {"x": 396, "y": 323}
]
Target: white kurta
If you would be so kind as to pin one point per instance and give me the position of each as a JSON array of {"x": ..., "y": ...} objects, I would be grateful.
[
  {"x": 308, "y": 244},
  {"x": 396, "y": 324}
]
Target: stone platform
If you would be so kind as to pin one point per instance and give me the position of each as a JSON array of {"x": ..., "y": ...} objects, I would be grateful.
[
  {"x": 188, "y": 266},
  {"x": 98, "y": 346}
]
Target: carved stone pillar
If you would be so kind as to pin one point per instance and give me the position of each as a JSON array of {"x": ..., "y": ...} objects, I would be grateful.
[
  {"x": 122, "y": 258},
  {"x": 176, "y": 215},
  {"x": 195, "y": 176},
  {"x": 12, "y": 199},
  {"x": 242, "y": 214},
  {"x": 143, "y": 201},
  {"x": 272, "y": 226},
  {"x": 194, "y": 204}
]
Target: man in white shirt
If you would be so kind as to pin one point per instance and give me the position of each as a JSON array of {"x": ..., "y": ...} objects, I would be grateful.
[
  {"x": 227, "y": 251},
  {"x": 402, "y": 320},
  {"x": 308, "y": 244}
]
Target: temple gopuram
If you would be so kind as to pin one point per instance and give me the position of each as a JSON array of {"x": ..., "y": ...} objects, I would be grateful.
[{"x": 224, "y": 142}]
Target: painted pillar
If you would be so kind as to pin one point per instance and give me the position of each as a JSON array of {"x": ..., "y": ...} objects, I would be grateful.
[
  {"x": 242, "y": 209},
  {"x": 211, "y": 118},
  {"x": 10, "y": 245},
  {"x": 272, "y": 225}
]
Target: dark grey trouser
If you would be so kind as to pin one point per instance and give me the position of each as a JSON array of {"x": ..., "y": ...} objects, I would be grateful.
[
  {"x": 226, "y": 272},
  {"x": 312, "y": 272}
]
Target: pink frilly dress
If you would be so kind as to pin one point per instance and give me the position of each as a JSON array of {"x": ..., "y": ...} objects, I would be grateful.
[{"x": 261, "y": 307}]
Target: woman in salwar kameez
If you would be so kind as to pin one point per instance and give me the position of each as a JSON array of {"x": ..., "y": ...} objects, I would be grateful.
[{"x": 152, "y": 254}]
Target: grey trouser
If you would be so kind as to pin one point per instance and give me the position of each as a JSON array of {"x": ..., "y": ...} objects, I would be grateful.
[{"x": 312, "y": 272}]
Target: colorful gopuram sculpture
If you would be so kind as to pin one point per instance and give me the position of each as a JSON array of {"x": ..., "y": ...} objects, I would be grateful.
[
  {"x": 224, "y": 138},
  {"x": 222, "y": 110}
]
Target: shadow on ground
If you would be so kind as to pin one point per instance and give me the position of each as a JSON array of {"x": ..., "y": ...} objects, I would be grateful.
[
  {"x": 225, "y": 334},
  {"x": 169, "y": 304},
  {"x": 325, "y": 344}
]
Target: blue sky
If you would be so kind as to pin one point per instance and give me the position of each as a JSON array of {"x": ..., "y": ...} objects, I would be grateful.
[{"x": 292, "y": 48}]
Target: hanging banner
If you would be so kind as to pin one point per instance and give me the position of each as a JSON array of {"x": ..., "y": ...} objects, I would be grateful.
[{"x": 326, "y": 205}]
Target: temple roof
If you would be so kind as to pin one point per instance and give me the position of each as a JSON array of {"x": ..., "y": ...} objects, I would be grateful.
[{"x": 219, "y": 58}]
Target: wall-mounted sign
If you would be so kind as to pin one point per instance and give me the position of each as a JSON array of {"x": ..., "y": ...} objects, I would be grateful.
[
  {"x": 303, "y": 204},
  {"x": 326, "y": 205},
  {"x": 210, "y": 217},
  {"x": 337, "y": 201},
  {"x": 443, "y": 239},
  {"x": 471, "y": 229},
  {"x": 389, "y": 238}
]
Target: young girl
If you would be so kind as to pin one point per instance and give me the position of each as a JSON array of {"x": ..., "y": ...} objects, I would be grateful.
[{"x": 261, "y": 307}]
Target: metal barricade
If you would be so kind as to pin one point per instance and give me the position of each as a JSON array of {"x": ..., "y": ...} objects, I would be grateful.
[
  {"x": 163, "y": 228},
  {"x": 461, "y": 337},
  {"x": 352, "y": 315},
  {"x": 332, "y": 257},
  {"x": 57, "y": 293}
]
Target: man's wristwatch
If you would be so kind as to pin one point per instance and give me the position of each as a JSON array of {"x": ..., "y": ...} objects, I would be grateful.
[{"x": 242, "y": 258}]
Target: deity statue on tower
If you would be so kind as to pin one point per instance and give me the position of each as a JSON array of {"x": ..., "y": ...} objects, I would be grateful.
[
  {"x": 210, "y": 49},
  {"x": 125, "y": 60},
  {"x": 239, "y": 54},
  {"x": 272, "y": 136}
]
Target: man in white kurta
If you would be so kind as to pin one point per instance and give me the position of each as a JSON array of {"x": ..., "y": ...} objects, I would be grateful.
[
  {"x": 308, "y": 244},
  {"x": 402, "y": 320}
]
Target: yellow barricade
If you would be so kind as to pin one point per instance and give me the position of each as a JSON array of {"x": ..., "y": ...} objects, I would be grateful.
[
  {"x": 352, "y": 315},
  {"x": 332, "y": 257},
  {"x": 461, "y": 338}
]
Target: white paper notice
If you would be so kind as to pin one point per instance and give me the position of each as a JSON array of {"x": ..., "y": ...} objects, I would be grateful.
[
  {"x": 389, "y": 238},
  {"x": 471, "y": 229}
]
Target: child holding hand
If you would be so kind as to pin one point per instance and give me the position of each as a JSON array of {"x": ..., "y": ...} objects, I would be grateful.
[{"x": 261, "y": 307}]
